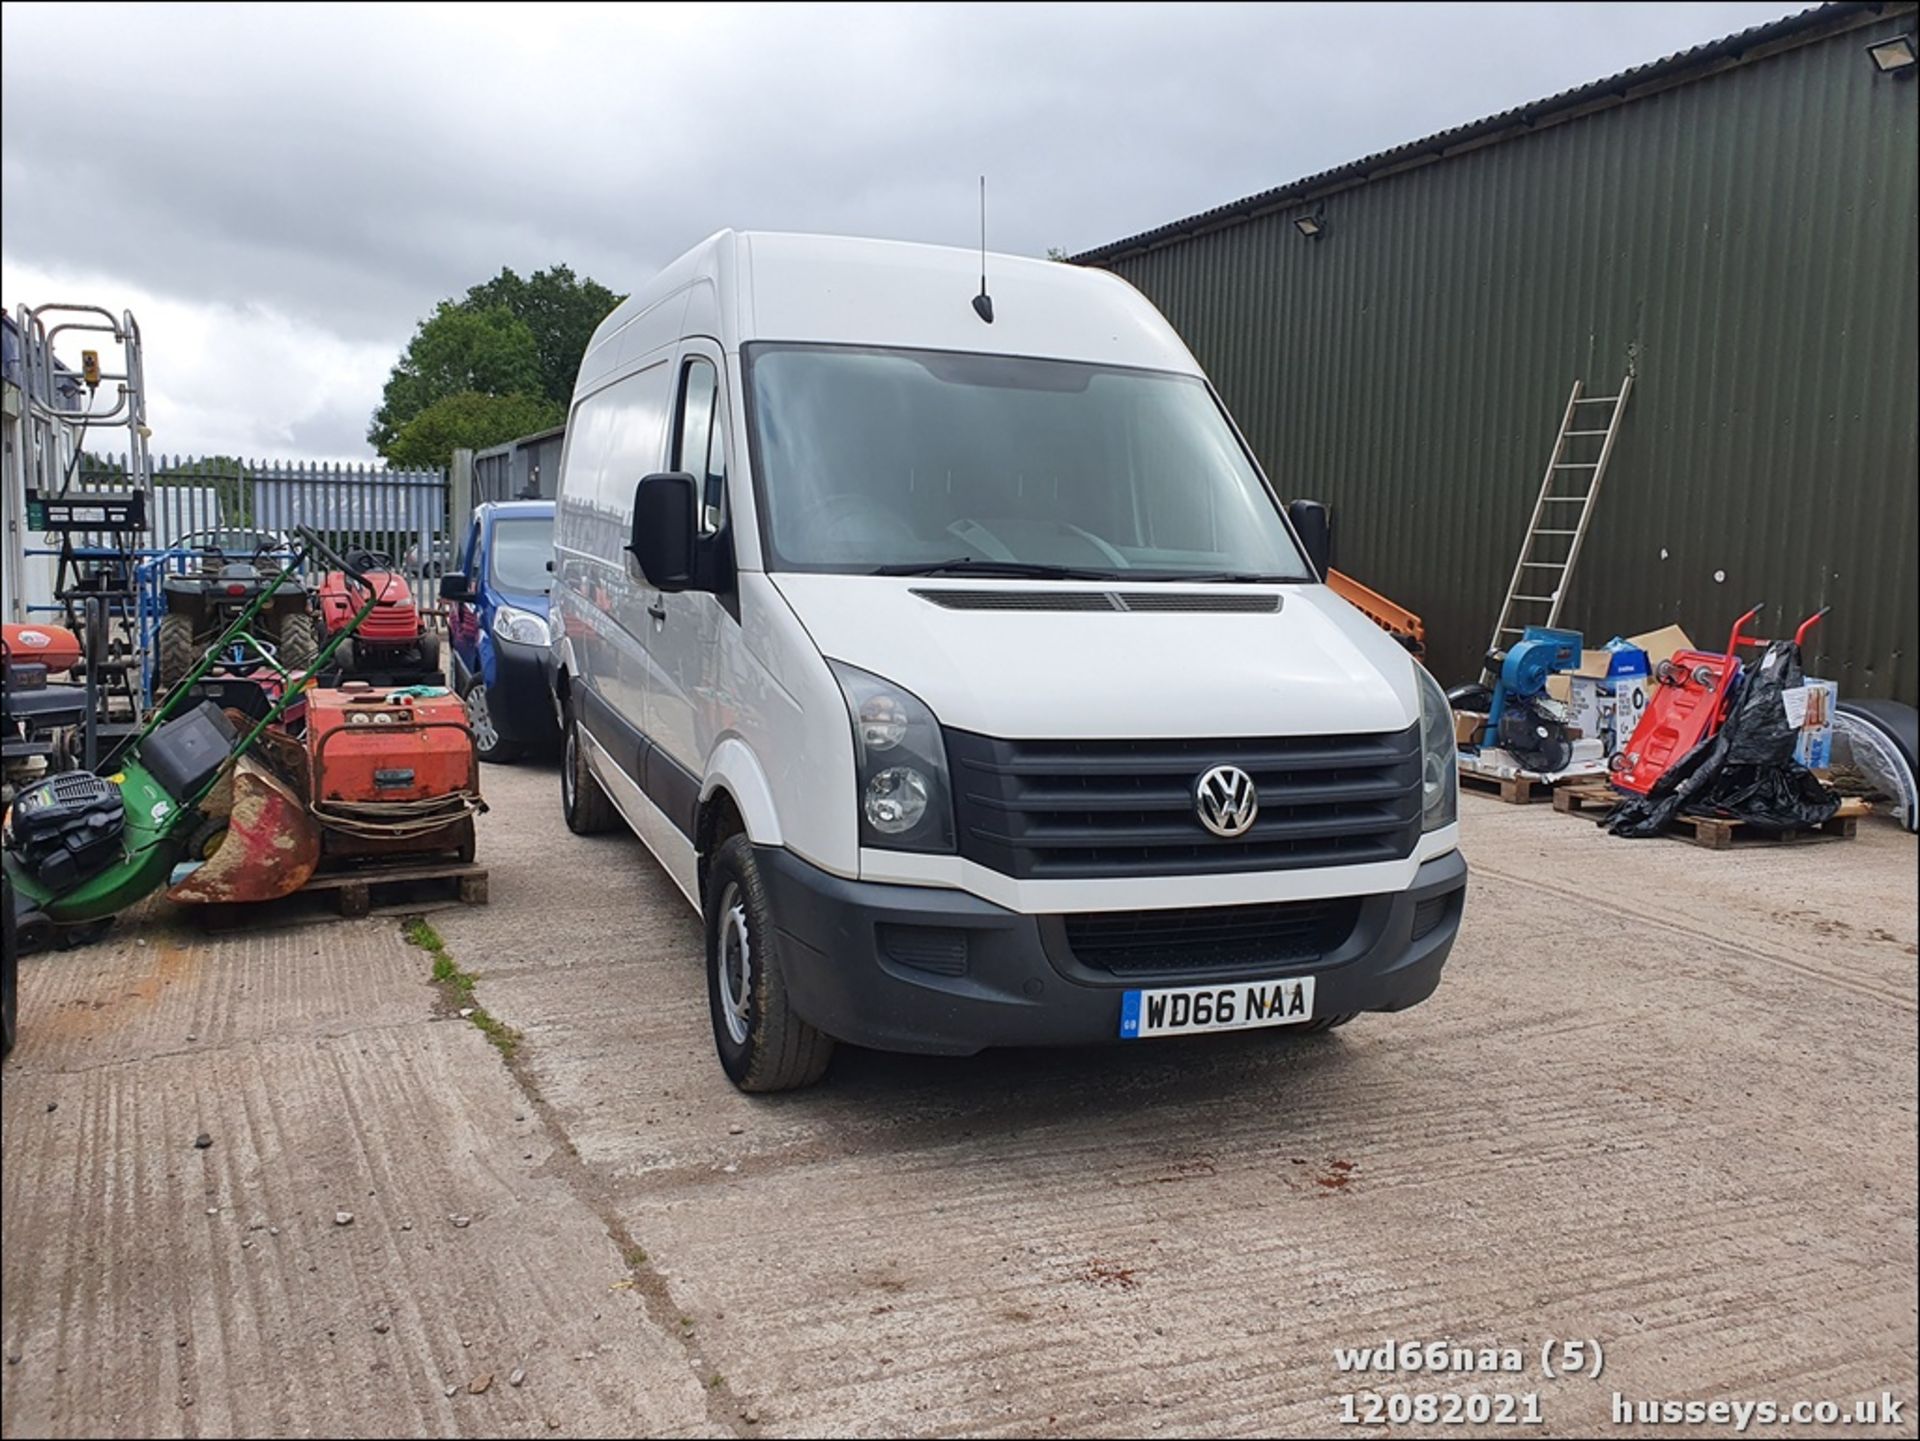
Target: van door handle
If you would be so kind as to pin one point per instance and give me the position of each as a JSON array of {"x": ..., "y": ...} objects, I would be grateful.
[{"x": 657, "y": 611}]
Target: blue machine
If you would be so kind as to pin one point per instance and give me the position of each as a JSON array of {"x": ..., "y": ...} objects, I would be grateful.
[{"x": 1539, "y": 653}]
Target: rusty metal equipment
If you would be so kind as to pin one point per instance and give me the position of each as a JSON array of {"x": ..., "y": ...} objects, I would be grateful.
[{"x": 392, "y": 771}]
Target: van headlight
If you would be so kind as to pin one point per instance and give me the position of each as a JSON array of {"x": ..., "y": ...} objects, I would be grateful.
[
  {"x": 520, "y": 626},
  {"x": 900, "y": 765},
  {"x": 1439, "y": 762}
]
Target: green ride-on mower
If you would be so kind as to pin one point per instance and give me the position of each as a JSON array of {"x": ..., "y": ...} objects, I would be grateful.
[
  {"x": 80, "y": 847},
  {"x": 213, "y": 576}
]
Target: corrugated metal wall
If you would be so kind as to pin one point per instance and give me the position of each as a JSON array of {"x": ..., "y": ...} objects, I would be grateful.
[
  {"x": 524, "y": 469},
  {"x": 1748, "y": 243}
]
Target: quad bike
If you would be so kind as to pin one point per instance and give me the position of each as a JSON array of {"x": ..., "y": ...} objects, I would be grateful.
[
  {"x": 80, "y": 847},
  {"x": 227, "y": 573},
  {"x": 392, "y": 643}
]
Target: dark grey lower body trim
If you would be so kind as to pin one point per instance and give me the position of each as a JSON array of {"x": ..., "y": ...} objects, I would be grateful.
[{"x": 667, "y": 783}]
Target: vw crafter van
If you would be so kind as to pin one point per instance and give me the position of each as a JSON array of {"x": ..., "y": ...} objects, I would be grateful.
[{"x": 953, "y": 656}]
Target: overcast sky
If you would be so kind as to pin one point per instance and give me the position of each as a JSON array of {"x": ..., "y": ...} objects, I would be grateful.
[{"x": 280, "y": 193}]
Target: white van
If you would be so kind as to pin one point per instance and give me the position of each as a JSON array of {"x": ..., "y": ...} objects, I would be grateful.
[{"x": 958, "y": 663}]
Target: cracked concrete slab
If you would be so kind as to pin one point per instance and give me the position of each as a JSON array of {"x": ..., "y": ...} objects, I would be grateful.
[
  {"x": 1665, "y": 1098},
  {"x": 155, "y": 1287}
]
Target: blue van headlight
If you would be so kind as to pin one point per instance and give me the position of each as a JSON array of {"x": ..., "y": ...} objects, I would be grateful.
[
  {"x": 1439, "y": 762},
  {"x": 522, "y": 627},
  {"x": 900, "y": 765}
]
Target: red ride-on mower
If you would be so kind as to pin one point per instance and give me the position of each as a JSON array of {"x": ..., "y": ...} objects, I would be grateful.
[
  {"x": 1690, "y": 700},
  {"x": 211, "y": 578},
  {"x": 392, "y": 645}
]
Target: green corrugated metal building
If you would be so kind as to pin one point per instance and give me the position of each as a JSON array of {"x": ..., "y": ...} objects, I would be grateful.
[{"x": 1737, "y": 225}]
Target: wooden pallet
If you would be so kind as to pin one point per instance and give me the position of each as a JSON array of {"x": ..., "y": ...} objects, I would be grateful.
[
  {"x": 1593, "y": 799},
  {"x": 1516, "y": 790},
  {"x": 353, "y": 892},
  {"x": 1721, "y": 835},
  {"x": 1585, "y": 797}
]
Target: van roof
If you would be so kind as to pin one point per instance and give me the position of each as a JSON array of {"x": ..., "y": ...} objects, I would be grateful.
[{"x": 742, "y": 286}]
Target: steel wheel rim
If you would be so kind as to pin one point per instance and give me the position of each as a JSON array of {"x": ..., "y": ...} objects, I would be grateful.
[
  {"x": 734, "y": 962},
  {"x": 480, "y": 718}
]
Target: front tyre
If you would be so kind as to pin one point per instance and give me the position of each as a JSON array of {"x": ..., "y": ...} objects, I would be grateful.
[
  {"x": 584, "y": 804},
  {"x": 487, "y": 740},
  {"x": 763, "y": 1045}
]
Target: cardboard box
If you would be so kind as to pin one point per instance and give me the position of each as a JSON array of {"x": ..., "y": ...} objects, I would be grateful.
[
  {"x": 1661, "y": 644},
  {"x": 1606, "y": 694},
  {"x": 1468, "y": 727},
  {"x": 1810, "y": 707}
]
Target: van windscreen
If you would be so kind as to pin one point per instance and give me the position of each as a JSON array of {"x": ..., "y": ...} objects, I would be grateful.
[
  {"x": 872, "y": 460},
  {"x": 521, "y": 550}
]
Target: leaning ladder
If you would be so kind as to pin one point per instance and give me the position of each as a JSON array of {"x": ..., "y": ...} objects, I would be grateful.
[{"x": 1555, "y": 534}]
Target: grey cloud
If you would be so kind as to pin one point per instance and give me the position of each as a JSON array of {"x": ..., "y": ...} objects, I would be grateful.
[{"x": 346, "y": 167}]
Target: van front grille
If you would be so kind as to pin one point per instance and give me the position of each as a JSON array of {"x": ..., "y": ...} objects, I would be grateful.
[
  {"x": 1051, "y": 809},
  {"x": 1211, "y": 938}
]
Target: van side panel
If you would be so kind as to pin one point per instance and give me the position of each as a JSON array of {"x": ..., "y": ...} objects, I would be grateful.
[{"x": 788, "y": 711}]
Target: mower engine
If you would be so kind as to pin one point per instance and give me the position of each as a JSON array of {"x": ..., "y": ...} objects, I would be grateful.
[
  {"x": 392, "y": 772},
  {"x": 1522, "y": 720},
  {"x": 67, "y": 829}
]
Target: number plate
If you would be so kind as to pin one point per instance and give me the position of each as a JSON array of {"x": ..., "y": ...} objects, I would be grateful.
[{"x": 1239, "y": 1006}]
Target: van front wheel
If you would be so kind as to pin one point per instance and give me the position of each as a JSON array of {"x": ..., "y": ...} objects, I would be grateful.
[
  {"x": 763, "y": 1045},
  {"x": 585, "y": 805}
]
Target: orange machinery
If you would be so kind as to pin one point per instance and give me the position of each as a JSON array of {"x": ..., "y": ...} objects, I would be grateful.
[
  {"x": 1396, "y": 620},
  {"x": 392, "y": 772}
]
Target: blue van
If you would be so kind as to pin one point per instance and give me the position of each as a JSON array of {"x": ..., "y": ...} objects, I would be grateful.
[{"x": 497, "y": 627}]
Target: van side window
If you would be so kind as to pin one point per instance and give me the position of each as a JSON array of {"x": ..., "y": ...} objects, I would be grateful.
[
  {"x": 700, "y": 441},
  {"x": 617, "y": 435}
]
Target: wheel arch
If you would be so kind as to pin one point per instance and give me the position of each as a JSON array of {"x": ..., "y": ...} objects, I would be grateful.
[{"x": 735, "y": 796}]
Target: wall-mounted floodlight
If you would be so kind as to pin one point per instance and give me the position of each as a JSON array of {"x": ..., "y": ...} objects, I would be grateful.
[
  {"x": 1894, "y": 55},
  {"x": 1312, "y": 226}
]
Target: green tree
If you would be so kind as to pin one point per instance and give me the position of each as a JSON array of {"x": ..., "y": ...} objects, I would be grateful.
[
  {"x": 561, "y": 309},
  {"x": 472, "y": 420},
  {"x": 507, "y": 337},
  {"x": 460, "y": 348}
]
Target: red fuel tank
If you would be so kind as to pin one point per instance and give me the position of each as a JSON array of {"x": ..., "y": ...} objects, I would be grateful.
[{"x": 53, "y": 646}]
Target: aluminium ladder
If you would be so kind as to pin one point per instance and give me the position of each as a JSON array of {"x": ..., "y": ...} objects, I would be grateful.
[{"x": 1555, "y": 534}]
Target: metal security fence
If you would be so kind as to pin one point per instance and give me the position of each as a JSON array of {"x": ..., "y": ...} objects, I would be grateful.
[
  {"x": 401, "y": 514},
  {"x": 242, "y": 507}
]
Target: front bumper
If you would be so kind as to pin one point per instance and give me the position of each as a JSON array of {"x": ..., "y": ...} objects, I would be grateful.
[
  {"x": 519, "y": 695},
  {"x": 919, "y": 968}
]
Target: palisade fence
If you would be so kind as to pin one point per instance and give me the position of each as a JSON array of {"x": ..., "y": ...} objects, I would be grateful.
[{"x": 401, "y": 514}]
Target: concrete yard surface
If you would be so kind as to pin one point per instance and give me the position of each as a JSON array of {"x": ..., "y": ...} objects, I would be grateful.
[{"x": 1664, "y": 1100}]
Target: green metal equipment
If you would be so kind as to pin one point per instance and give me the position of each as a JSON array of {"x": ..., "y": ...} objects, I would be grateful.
[{"x": 159, "y": 823}]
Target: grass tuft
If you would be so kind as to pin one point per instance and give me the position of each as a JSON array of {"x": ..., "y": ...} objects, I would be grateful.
[{"x": 457, "y": 985}]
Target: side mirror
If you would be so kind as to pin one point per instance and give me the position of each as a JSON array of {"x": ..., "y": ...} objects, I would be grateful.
[
  {"x": 1315, "y": 529},
  {"x": 456, "y": 586},
  {"x": 662, "y": 539}
]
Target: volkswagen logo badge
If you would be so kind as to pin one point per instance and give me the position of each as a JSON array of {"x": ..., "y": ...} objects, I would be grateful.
[{"x": 1226, "y": 801}]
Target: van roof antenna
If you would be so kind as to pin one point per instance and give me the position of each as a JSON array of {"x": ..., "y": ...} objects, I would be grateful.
[{"x": 983, "y": 302}]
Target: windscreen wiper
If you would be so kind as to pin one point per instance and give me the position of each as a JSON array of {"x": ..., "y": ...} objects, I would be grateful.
[
  {"x": 1209, "y": 577},
  {"x": 1017, "y": 569}
]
